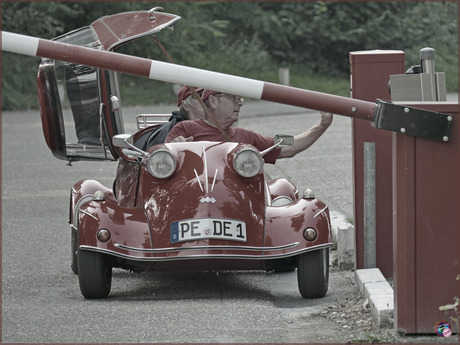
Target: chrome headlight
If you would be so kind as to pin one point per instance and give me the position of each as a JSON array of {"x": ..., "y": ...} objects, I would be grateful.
[
  {"x": 248, "y": 162},
  {"x": 161, "y": 163}
]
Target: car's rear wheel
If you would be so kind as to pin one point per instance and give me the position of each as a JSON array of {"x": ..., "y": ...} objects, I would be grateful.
[
  {"x": 94, "y": 274},
  {"x": 313, "y": 273}
]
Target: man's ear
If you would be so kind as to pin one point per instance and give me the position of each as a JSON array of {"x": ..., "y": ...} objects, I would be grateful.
[{"x": 212, "y": 100}]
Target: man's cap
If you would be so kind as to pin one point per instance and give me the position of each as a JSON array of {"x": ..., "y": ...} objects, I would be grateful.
[
  {"x": 206, "y": 93},
  {"x": 184, "y": 92}
]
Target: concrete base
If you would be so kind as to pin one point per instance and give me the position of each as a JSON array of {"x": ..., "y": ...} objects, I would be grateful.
[
  {"x": 346, "y": 247},
  {"x": 373, "y": 285},
  {"x": 343, "y": 237}
]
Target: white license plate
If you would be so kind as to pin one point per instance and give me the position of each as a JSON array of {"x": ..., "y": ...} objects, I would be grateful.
[{"x": 208, "y": 228}]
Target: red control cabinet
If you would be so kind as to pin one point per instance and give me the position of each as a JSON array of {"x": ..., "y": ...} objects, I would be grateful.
[{"x": 417, "y": 201}]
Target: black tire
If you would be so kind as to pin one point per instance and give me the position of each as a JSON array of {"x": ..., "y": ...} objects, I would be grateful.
[
  {"x": 313, "y": 273},
  {"x": 74, "y": 249},
  {"x": 94, "y": 274}
]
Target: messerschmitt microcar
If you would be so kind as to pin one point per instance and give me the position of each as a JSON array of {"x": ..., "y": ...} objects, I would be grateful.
[{"x": 175, "y": 206}]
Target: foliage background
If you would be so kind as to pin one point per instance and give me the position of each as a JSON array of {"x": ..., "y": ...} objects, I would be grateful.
[{"x": 250, "y": 39}]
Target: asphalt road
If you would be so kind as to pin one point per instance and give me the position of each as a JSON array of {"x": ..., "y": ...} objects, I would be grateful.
[{"x": 41, "y": 300}]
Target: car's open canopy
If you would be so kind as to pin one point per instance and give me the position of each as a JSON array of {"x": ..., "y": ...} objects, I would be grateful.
[{"x": 79, "y": 104}]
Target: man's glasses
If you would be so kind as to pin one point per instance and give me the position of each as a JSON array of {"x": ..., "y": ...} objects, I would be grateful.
[{"x": 236, "y": 99}]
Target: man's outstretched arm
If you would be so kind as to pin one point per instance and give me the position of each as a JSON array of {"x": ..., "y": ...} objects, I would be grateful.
[{"x": 306, "y": 139}]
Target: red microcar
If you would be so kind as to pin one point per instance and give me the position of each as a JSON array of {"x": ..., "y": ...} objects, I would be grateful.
[{"x": 176, "y": 206}]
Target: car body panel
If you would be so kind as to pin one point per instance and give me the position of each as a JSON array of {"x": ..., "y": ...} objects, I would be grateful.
[{"x": 141, "y": 228}]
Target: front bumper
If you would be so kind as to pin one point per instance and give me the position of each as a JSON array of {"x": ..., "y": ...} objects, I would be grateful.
[{"x": 218, "y": 252}]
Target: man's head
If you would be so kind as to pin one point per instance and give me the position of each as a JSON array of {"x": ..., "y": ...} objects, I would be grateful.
[
  {"x": 225, "y": 107},
  {"x": 188, "y": 105}
]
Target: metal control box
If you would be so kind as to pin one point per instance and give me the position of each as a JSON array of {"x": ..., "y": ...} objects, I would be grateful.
[
  {"x": 418, "y": 87},
  {"x": 419, "y": 83}
]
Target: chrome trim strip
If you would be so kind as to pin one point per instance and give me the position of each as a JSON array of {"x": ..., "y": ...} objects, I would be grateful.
[
  {"x": 205, "y": 163},
  {"x": 279, "y": 198},
  {"x": 205, "y": 187},
  {"x": 88, "y": 214},
  {"x": 198, "y": 180},
  {"x": 267, "y": 194},
  {"x": 324, "y": 209},
  {"x": 172, "y": 249},
  {"x": 206, "y": 256},
  {"x": 83, "y": 199},
  {"x": 214, "y": 181}
]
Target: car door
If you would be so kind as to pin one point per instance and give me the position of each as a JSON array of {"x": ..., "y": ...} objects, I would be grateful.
[{"x": 79, "y": 104}]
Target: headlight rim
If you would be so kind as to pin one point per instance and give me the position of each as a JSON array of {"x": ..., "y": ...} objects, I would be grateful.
[
  {"x": 260, "y": 160},
  {"x": 153, "y": 154}
]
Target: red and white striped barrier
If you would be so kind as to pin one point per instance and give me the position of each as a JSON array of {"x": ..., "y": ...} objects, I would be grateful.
[{"x": 173, "y": 73}]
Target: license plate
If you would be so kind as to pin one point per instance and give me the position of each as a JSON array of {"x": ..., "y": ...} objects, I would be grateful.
[{"x": 208, "y": 228}]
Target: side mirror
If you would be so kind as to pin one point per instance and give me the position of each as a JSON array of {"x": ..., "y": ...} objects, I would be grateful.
[
  {"x": 123, "y": 140},
  {"x": 284, "y": 140},
  {"x": 280, "y": 140}
]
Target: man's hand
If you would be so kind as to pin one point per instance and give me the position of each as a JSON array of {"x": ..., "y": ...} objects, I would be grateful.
[
  {"x": 326, "y": 119},
  {"x": 181, "y": 139},
  {"x": 306, "y": 139}
]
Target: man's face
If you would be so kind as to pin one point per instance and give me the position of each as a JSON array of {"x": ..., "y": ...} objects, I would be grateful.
[{"x": 227, "y": 108}]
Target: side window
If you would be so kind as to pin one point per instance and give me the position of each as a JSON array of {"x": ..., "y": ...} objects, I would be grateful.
[{"x": 83, "y": 95}]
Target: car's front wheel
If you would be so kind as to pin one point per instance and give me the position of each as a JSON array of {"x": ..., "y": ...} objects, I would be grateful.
[
  {"x": 313, "y": 273},
  {"x": 94, "y": 274}
]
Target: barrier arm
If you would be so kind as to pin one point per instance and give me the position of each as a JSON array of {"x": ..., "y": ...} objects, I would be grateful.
[{"x": 383, "y": 115}]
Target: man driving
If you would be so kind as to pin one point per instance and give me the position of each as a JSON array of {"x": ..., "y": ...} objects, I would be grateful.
[{"x": 224, "y": 109}]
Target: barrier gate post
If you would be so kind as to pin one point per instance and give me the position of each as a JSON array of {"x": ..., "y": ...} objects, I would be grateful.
[{"x": 370, "y": 74}]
